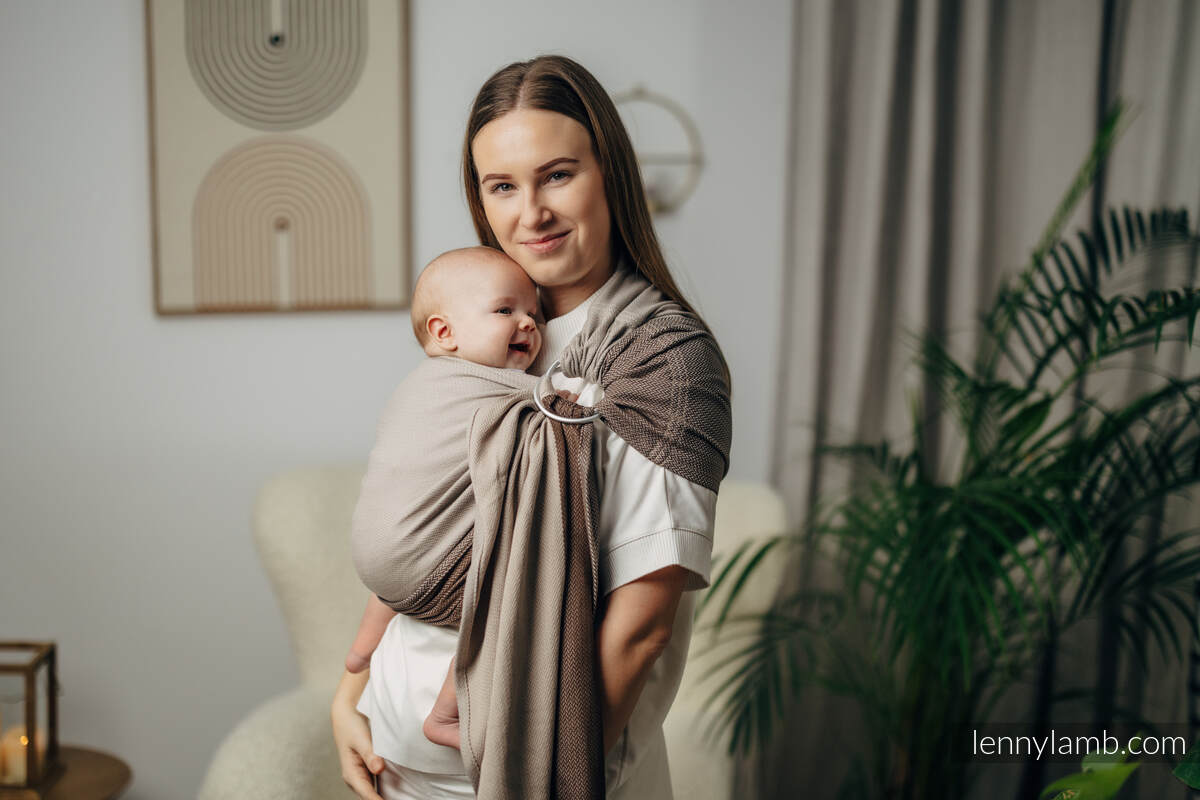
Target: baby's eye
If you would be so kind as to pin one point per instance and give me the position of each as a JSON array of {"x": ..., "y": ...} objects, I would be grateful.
[{"x": 504, "y": 310}]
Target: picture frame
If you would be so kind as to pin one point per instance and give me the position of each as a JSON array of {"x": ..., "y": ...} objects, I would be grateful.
[{"x": 279, "y": 155}]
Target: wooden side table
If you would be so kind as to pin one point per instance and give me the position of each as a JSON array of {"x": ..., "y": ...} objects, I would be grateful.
[{"x": 89, "y": 775}]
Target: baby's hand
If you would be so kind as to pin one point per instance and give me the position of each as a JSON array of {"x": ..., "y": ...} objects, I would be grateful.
[
  {"x": 441, "y": 727},
  {"x": 565, "y": 395}
]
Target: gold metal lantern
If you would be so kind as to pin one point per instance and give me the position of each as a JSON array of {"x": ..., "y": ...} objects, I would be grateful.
[{"x": 28, "y": 717}]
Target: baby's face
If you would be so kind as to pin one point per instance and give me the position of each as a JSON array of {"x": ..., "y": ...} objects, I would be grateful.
[{"x": 493, "y": 311}]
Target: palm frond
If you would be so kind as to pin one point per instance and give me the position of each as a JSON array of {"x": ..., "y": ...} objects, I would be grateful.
[{"x": 950, "y": 588}]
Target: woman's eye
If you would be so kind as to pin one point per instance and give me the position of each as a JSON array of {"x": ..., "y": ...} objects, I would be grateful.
[
  {"x": 500, "y": 188},
  {"x": 558, "y": 175}
]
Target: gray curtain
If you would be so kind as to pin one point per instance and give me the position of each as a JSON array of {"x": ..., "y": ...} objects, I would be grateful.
[{"x": 931, "y": 141}]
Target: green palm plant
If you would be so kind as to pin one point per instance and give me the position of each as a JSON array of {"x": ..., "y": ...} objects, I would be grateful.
[{"x": 954, "y": 589}]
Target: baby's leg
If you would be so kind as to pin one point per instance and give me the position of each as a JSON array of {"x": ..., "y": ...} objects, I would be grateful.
[
  {"x": 375, "y": 620},
  {"x": 441, "y": 726}
]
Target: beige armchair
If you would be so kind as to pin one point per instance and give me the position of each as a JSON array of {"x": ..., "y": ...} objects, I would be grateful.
[{"x": 283, "y": 750}]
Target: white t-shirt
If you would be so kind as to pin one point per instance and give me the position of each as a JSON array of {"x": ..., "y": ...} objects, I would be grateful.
[{"x": 650, "y": 518}]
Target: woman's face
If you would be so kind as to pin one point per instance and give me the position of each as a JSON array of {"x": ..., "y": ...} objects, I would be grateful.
[{"x": 543, "y": 195}]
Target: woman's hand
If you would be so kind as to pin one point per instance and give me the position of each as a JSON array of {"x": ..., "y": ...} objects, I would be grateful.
[{"x": 352, "y": 736}]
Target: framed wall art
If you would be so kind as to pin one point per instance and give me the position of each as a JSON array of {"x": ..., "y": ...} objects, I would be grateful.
[{"x": 279, "y": 154}]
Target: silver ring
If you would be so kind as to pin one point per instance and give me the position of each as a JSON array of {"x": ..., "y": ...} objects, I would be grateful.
[{"x": 537, "y": 401}]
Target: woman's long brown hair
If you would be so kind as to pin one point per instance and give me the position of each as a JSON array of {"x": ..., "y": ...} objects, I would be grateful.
[{"x": 556, "y": 83}]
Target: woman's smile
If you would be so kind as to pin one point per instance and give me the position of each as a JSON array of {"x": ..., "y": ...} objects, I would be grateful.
[{"x": 547, "y": 244}]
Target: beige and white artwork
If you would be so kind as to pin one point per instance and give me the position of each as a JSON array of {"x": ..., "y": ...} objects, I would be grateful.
[{"x": 279, "y": 154}]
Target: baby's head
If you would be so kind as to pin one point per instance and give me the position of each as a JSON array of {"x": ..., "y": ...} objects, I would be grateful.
[{"x": 478, "y": 304}]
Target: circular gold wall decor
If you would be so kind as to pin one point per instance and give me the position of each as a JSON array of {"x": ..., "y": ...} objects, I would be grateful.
[
  {"x": 671, "y": 156},
  {"x": 280, "y": 222},
  {"x": 276, "y": 64}
]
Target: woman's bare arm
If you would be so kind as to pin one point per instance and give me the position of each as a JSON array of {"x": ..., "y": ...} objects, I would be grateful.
[{"x": 634, "y": 631}]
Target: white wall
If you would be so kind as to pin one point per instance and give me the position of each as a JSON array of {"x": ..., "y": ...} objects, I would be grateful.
[{"x": 134, "y": 444}]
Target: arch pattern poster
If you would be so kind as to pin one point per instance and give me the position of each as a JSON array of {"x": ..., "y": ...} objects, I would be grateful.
[{"x": 279, "y": 154}]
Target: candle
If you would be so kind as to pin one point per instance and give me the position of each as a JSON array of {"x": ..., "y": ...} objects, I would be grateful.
[{"x": 12, "y": 753}]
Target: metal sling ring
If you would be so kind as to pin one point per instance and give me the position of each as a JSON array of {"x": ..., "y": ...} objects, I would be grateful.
[{"x": 537, "y": 401}]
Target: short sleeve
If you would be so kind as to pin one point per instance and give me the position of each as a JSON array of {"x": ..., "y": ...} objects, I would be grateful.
[{"x": 651, "y": 518}]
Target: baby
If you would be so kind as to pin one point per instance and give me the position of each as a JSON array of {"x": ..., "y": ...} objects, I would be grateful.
[{"x": 476, "y": 304}]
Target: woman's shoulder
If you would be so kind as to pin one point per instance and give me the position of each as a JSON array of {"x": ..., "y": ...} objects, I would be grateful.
[{"x": 633, "y": 468}]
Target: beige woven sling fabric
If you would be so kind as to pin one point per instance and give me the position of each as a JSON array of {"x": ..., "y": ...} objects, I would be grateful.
[{"x": 478, "y": 512}]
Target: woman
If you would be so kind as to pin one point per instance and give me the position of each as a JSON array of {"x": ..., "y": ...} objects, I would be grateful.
[{"x": 551, "y": 179}]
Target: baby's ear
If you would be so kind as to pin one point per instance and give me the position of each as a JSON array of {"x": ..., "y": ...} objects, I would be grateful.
[{"x": 440, "y": 332}]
